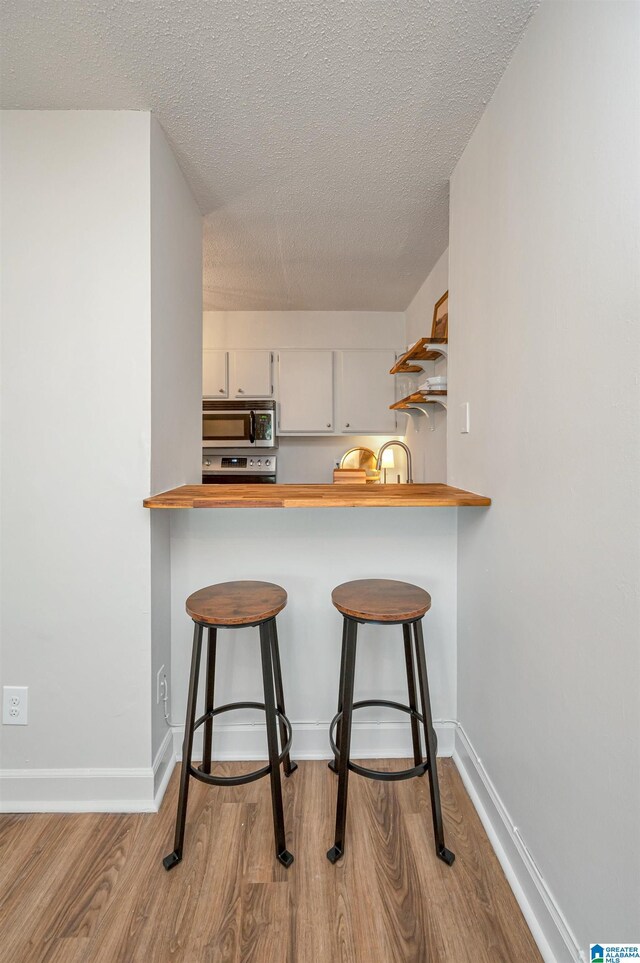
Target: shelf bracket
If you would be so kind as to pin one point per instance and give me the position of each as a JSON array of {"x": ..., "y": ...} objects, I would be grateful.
[
  {"x": 441, "y": 349},
  {"x": 408, "y": 409},
  {"x": 423, "y": 408}
]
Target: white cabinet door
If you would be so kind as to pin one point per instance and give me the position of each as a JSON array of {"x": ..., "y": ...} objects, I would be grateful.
[
  {"x": 305, "y": 385},
  {"x": 366, "y": 392},
  {"x": 214, "y": 374},
  {"x": 251, "y": 374}
]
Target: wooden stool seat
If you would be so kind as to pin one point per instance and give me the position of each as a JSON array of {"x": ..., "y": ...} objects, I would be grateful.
[
  {"x": 381, "y": 600},
  {"x": 236, "y": 603}
]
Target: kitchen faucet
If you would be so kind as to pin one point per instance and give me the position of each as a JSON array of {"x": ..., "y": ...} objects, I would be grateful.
[{"x": 401, "y": 444}]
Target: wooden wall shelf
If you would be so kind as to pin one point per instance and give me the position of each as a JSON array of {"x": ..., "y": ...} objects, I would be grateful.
[
  {"x": 419, "y": 398},
  {"x": 425, "y": 349}
]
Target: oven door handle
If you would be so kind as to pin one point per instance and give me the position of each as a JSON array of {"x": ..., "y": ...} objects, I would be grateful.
[{"x": 252, "y": 427}]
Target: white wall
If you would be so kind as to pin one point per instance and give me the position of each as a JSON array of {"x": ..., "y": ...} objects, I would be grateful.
[
  {"x": 304, "y": 329},
  {"x": 309, "y": 552},
  {"x": 545, "y": 344},
  {"x": 419, "y": 313},
  {"x": 427, "y": 438},
  {"x": 307, "y": 460},
  {"x": 176, "y": 321},
  {"x": 176, "y": 362},
  {"x": 76, "y": 429},
  {"x": 79, "y": 299}
]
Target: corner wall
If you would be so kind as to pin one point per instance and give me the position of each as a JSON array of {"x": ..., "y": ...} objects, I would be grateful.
[
  {"x": 427, "y": 437},
  {"x": 76, "y": 434},
  {"x": 100, "y": 394},
  {"x": 545, "y": 345},
  {"x": 176, "y": 389}
]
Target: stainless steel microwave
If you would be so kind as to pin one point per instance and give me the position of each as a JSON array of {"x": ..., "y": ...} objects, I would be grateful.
[{"x": 239, "y": 424}]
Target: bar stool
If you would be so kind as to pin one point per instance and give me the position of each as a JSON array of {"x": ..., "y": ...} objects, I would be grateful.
[
  {"x": 232, "y": 605},
  {"x": 391, "y": 603}
]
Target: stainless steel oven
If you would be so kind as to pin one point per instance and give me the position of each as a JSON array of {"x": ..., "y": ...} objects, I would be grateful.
[
  {"x": 238, "y": 468},
  {"x": 239, "y": 424}
]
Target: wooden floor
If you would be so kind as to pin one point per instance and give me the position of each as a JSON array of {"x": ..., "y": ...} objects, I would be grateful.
[{"x": 92, "y": 888}]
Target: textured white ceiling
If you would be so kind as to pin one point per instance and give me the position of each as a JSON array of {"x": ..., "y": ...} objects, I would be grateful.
[{"x": 318, "y": 135}]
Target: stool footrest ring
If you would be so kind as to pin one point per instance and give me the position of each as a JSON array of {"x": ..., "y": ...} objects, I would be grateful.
[
  {"x": 376, "y": 773},
  {"x": 249, "y": 776}
]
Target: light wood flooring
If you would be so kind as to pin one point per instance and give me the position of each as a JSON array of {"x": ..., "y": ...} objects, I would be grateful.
[{"x": 76, "y": 888}]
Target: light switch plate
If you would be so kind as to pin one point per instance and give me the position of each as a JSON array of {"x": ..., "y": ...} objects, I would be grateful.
[{"x": 463, "y": 418}]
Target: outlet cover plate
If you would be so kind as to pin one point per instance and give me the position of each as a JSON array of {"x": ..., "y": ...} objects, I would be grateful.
[
  {"x": 161, "y": 681},
  {"x": 15, "y": 705}
]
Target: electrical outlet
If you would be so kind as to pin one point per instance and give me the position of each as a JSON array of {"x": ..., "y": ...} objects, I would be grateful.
[
  {"x": 162, "y": 685},
  {"x": 15, "y": 705}
]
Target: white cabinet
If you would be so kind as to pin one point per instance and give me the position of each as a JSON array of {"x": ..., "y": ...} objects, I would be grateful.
[
  {"x": 250, "y": 374},
  {"x": 305, "y": 386},
  {"x": 215, "y": 382},
  {"x": 366, "y": 390},
  {"x": 313, "y": 399}
]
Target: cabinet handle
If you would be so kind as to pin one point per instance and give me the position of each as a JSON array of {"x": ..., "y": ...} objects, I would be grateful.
[
  {"x": 221, "y": 390},
  {"x": 347, "y": 425},
  {"x": 240, "y": 391},
  {"x": 328, "y": 424}
]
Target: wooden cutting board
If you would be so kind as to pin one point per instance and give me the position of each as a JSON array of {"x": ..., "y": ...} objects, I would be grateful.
[{"x": 349, "y": 476}]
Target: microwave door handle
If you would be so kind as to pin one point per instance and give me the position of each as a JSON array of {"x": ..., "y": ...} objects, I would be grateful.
[{"x": 252, "y": 427}]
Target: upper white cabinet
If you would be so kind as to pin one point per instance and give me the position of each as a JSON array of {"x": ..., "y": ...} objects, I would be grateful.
[
  {"x": 250, "y": 374},
  {"x": 366, "y": 390},
  {"x": 320, "y": 391},
  {"x": 215, "y": 381},
  {"x": 305, "y": 386}
]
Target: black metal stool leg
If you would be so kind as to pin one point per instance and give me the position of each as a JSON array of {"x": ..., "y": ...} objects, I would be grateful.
[
  {"x": 282, "y": 853},
  {"x": 333, "y": 765},
  {"x": 211, "y": 681},
  {"x": 411, "y": 686},
  {"x": 445, "y": 854},
  {"x": 346, "y": 700},
  {"x": 289, "y": 766},
  {"x": 187, "y": 746}
]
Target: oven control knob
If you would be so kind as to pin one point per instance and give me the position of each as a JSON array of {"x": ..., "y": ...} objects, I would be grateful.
[
  {"x": 259, "y": 463},
  {"x": 268, "y": 462},
  {"x": 251, "y": 462},
  {"x": 207, "y": 463}
]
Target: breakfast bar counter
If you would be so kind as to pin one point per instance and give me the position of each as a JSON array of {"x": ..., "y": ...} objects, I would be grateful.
[
  {"x": 308, "y": 553},
  {"x": 316, "y": 496}
]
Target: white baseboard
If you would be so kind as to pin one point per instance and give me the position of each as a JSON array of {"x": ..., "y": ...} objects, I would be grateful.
[
  {"x": 370, "y": 740},
  {"x": 163, "y": 766},
  {"x": 88, "y": 790},
  {"x": 141, "y": 790},
  {"x": 76, "y": 791},
  {"x": 552, "y": 933}
]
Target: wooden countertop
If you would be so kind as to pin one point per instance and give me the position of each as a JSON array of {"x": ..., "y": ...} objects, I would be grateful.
[{"x": 315, "y": 496}]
